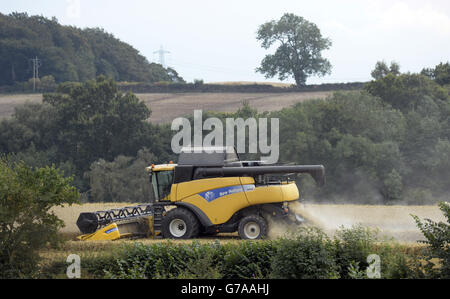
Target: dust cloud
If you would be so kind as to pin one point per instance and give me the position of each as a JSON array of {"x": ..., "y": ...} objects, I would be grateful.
[{"x": 392, "y": 222}]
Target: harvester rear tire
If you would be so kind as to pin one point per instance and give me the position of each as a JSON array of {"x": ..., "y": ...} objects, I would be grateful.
[
  {"x": 180, "y": 223},
  {"x": 252, "y": 227}
]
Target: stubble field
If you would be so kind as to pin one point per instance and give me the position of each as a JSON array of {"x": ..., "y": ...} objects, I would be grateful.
[{"x": 168, "y": 106}]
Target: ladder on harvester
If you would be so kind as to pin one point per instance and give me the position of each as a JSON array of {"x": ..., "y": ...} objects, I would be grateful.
[{"x": 158, "y": 211}]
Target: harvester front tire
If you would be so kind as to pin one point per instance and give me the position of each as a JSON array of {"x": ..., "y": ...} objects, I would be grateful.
[
  {"x": 180, "y": 223},
  {"x": 252, "y": 227}
]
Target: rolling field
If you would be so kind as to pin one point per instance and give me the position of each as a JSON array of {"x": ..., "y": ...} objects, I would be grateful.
[
  {"x": 9, "y": 101},
  {"x": 168, "y": 106}
]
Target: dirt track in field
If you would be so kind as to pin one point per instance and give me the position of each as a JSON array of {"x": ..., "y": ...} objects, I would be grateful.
[{"x": 168, "y": 106}]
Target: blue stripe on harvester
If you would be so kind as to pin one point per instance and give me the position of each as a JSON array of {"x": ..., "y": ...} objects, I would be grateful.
[{"x": 111, "y": 230}]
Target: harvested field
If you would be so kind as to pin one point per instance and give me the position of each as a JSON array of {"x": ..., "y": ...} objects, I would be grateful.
[
  {"x": 392, "y": 221},
  {"x": 168, "y": 106},
  {"x": 9, "y": 101}
]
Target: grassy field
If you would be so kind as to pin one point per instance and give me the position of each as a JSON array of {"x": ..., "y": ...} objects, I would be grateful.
[{"x": 168, "y": 106}]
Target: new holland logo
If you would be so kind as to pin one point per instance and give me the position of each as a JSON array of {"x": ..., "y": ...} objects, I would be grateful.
[{"x": 211, "y": 195}]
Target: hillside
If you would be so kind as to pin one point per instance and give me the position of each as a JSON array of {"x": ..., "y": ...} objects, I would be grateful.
[{"x": 68, "y": 53}]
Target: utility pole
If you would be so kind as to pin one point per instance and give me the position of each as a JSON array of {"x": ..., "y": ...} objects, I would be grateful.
[
  {"x": 161, "y": 53},
  {"x": 13, "y": 72},
  {"x": 36, "y": 65}
]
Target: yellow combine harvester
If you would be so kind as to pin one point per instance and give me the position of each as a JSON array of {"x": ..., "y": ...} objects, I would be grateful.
[{"x": 209, "y": 191}]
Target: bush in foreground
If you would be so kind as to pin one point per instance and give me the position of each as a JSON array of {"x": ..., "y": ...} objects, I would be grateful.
[
  {"x": 437, "y": 236},
  {"x": 308, "y": 253},
  {"x": 26, "y": 222}
]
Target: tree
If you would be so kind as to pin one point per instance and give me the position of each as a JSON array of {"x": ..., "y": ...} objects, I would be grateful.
[
  {"x": 122, "y": 180},
  {"x": 174, "y": 76},
  {"x": 299, "y": 52},
  {"x": 382, "y": 70},
  {"x": 95, "y": 120},
  {"x": 393, "y": 186},
  {"x": 441, "y": 73},
  {"x": 27, "y": 223},
  {"x": 48, "y": 84},
  {"x": 406, "y": 91}
]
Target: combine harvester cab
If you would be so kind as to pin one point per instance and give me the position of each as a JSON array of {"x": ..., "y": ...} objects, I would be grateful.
[{"x": 209, "y": 191}]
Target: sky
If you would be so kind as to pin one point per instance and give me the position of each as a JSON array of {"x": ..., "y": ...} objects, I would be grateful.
[{"x": 215, "y": 40}]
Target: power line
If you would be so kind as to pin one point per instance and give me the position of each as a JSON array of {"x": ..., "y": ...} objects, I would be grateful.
[
  {"x": 209, "y": 68},
  {"x": 36, "y": 64},
  {"x": 233, "y": 70},
  {"x": 161, "y": 53}
]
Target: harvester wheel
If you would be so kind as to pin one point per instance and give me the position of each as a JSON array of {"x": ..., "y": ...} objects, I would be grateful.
[
  {"x": 180, "y": 223},
  {"x": 252, "y": 227}
]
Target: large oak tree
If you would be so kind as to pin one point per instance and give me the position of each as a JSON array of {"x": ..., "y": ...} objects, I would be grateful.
[{"x": 299, "y": 54}]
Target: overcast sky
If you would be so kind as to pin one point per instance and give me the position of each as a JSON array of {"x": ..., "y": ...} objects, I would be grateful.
[{"x": 215, "y": 40}]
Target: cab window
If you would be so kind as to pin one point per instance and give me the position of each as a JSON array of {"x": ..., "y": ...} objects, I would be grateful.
[{"x": 162, "y": 183}]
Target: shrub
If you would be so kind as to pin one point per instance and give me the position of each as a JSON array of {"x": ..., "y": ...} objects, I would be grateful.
[
  {"x": 308, "y": 255},
  {"x": 164, "y": 260},
  {"x": 395, "y": 264},
  {"x": 27, "y": 224},
  {"x": 437, "y": 236},
  {"x": 250, "y": 259},
  {"x": 167, "y": 260},
  {"x": 352, "y": 247}
]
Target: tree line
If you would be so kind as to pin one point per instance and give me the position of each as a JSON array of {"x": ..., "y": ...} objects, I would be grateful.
[{"x": 79, "y": 126}]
